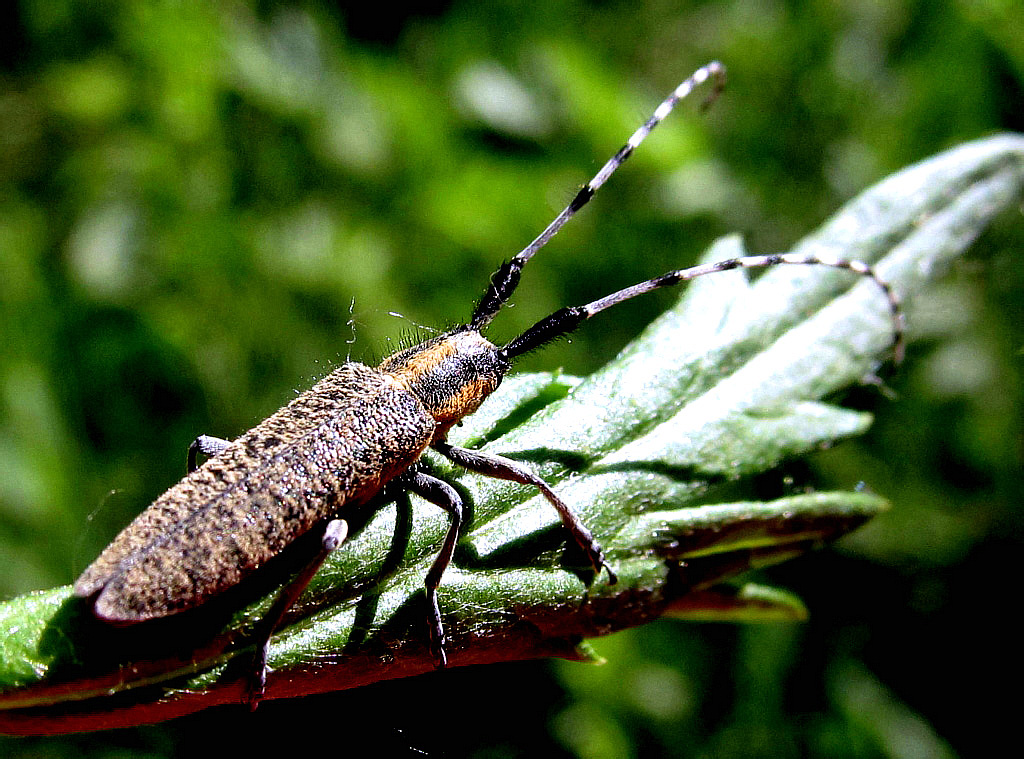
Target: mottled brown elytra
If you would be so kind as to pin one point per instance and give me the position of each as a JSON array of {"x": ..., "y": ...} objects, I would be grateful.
[{"x": 333, "y": 449}]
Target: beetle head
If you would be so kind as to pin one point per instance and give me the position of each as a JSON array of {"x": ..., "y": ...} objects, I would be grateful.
[{"x": 451, "y": 374}]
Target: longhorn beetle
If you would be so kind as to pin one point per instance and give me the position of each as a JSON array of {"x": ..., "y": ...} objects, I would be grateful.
[{"x": 335, "y": 447}]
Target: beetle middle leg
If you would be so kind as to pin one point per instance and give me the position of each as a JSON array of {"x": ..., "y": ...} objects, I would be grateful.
[
  {"x": 506, "y": 469},
  {"x": 439, "y": 493}
]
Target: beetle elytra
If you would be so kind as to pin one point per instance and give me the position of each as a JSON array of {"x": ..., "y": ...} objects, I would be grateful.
[{"x": 313, "y": 464}]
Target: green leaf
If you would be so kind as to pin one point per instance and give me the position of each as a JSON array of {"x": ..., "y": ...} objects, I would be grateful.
[{"x": 727, "y": 384}]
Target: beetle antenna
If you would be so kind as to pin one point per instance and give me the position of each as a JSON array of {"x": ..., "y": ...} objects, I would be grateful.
[
  {"x": 565, "y": 320},
  {"x": 506, "y": 278}
]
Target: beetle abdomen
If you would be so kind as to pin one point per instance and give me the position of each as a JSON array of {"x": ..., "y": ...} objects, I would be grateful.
[{"x": 334, "y": 446}]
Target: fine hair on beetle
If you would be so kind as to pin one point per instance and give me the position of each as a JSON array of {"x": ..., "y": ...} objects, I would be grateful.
[{"x": 352, "y": 441}]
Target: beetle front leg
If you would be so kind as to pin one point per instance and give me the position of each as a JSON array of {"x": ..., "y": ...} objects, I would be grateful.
[
  {"x": 506, "y": 469},
  {"x": 439, "y": 493},
  {"x": 334, "y": 535},
  {"x": 206, "y": 445}
]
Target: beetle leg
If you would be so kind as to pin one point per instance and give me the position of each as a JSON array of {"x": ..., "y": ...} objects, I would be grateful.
[
  {"x": 444, "y": 495},
  {"x": 206, "y": 445},
  {"x": 334, "y": 535},
  {"x": 506, "y": 469}
]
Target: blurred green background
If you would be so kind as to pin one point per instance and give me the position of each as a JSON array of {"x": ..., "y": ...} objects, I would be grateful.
[{"x": 204, "y": 207}]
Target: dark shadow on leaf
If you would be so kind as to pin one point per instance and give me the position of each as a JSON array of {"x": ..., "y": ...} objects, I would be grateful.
[
  {"x": 549, "y": 547},
  {"x": 550, "y": 393},
  {"x": 695, "y": 574},
  {"x": 366, "y": 608},
  {"x": 571, "y": 460},
  {"x": 690, "y": 475}
]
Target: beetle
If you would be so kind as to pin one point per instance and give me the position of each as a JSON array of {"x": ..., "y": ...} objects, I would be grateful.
[{"x": 333, "y": 450}]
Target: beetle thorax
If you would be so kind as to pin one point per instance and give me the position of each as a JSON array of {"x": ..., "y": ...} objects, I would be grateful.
[{"x": 451, "y": 374}]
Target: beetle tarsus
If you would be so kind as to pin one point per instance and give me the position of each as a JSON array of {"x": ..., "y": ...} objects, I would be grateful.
[
  {"x": 438, "y": 640},
  {"x": 257, "y": 681}
]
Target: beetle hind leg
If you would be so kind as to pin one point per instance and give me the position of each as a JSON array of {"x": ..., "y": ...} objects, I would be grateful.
[{"x": 334, "y": 535}]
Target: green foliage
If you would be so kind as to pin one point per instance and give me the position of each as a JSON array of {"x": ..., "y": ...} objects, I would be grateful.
[{"x": 192, "y": 194}]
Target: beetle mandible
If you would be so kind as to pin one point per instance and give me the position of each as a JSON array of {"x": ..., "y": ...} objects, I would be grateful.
[{"x": 335, "y": 447}]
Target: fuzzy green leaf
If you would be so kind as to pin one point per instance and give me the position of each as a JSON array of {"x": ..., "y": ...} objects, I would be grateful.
[{"x": 726, "y": 384}]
